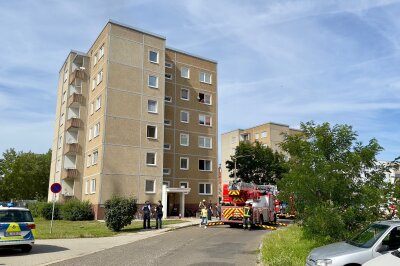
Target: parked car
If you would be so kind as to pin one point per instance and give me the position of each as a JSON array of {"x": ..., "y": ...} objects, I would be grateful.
[
  {"x": 17, "y": 228},
  {"x": 391, "y": 258},
  {"x": 377, "y": 239}
]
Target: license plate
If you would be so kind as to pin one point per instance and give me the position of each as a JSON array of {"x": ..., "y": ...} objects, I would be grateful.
[{"x": 13, "y": 234}]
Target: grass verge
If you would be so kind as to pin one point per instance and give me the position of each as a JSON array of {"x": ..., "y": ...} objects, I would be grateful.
[
  {"x": 287, "y": 247},
  {"x": 81, "y": 229}
]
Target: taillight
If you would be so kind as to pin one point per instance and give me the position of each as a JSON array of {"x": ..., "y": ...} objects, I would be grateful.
[{"x": 31, "y": 226}]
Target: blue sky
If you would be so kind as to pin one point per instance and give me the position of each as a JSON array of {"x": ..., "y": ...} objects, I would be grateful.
[{"x": 279, "y": 61}]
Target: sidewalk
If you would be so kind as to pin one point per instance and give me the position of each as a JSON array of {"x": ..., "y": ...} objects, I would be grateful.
[{"x": 49, "y": 251}]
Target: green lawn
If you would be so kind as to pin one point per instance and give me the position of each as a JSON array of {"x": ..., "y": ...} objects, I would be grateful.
[
  {"x": 287, "y": 247},
  {"x": 79, "y": 229}
]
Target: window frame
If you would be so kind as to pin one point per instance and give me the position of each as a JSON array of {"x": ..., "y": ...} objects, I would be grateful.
[
  {"x": 169, "y": 77},
  {"x": 168, "y": 64},
  {"x": 180, "y": 139},
  {"x": 205, "y": 120},
  {"x": 157, "y": 56},
  {"x": 95, "y": 157},
  {"x": 204, "y": 97},
  {"x": 169, "y": 123},
  {"x": 93, "y": 186},
  {"x": 169, "y": 100},
  {"x": 188, "y": 94},
  {"x": 156, "y": 80},
  {"x": 188, "y": 115},
  {"x": 203, "y": 75},
  {"x": 188, "y": 72},
  {"x": 187, "y": 163},
  {"x": 154, "y": 186},
  {"x": 205, "y": 170},
  {"x": 98, "y": 103},
  {"x": 155, "y": 158},
  {"x": 87, "y": 187},
  {"x": 168, "y": 172},
  {"x": 156, "y": 106},
  {"x": 264, "y": 134},
  {"x": 184, "y": 182},
  {"x": 205, "y": 188},
  {"x": 204, "y": 142},
  {"x": 155, "y": 132},
  {"x": 167, "y": 148}
]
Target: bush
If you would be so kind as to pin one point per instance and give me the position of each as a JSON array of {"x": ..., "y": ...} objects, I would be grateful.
[
  {"x": 119, "y": 212},
  {"x": 75, "y": 210},
  {"x": 47, "y": 210},
  {"x": 36, "y": 208}
]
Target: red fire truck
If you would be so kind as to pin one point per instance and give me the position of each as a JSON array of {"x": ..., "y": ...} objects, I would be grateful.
[{"x": 261, "y": 197}]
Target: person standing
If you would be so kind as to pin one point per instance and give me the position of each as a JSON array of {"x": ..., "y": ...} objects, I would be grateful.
[
  {"x": 204, "y": 214},
  {"x": 209, "y": 211},
  {"x": 247, "y": 211},
  {"x": 146, "y": 215},
  {"x": 159, "y": 215},
  {"x": 219, "y": 210}
]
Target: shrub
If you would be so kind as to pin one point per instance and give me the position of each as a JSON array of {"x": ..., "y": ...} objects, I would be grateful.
[
  {"x": 36, "y": 208},
  {"x": 47, "y": 210},
  {"x": 75, "y": 210},
  {"x": 119, "y": 212}
]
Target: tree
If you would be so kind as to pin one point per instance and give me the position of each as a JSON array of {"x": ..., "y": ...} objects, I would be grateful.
[
  {"x": 335, "y": 178},
  {"x": 119, "y": 212},
  {"x": 256, "y": 163},
  {"x": 24, "y": 175}
]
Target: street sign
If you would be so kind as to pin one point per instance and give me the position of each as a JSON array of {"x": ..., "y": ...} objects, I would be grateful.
[{"x": 55, "y": 188}]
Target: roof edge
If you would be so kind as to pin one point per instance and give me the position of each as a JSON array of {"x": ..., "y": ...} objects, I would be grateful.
[
  {"x": 136, "y": 29},
  {"x": 190, "y": 54}
]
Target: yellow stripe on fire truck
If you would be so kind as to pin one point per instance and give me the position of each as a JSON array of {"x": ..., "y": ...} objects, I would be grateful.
[
  {"x": 234, "y": 192},
  {"x": 236, "y": 212}
]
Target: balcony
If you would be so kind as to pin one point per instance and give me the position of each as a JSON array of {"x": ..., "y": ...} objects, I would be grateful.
[
  {"x": 75, "y": 99},
  {"x": 72, "y": 148},
  {"x": 74, "y": 123},
  {"x": 77, "y": 74},
  {"x": 70, "y": 174}
]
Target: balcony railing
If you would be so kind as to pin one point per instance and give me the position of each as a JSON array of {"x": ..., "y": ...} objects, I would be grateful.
[
  {"x": 72, "y": 148},
  {"x": 70, "y": 173},
  {"x": 74, "y": 123},
  {"x": 75, "y": 98},
  {"x": 77, "y": 74}
]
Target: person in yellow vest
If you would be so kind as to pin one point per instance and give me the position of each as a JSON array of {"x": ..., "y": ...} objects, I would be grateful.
[
  {"x": 247, "y": 212},
  {"x": 203, "y": 216}
]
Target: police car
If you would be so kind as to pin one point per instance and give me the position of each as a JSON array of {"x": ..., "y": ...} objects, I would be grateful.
[{"x": 17, "y": 229}]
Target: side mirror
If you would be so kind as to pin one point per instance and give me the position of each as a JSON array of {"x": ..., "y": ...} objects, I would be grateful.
[{"x": 383, "y": 248}]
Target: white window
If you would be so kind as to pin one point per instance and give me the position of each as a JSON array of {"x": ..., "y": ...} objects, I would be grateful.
[
  {"x": 184, "y": 163},
  {"x": 185, "y": 94},
  {"x": 60, "y": 142},
  {"x": 96, "y": 130},
  {"x": 87, "y": 187},
  {"x": 204, "y": 98},
  {"x": 184, "y": 139},
  {"x": 95, "y": 59},
  {"x": 168, "y": 99},
  {"x": 91, "y": 108},
  {"x": 64, "y": 98},
  {"x": 151, "y": 132},
  {"x": 101, "y": 51},
  {"x": 205, "y": 120},
  {"x": 150, "y": 186},
  {"x": 98, "y": 103},
  {"x": 89, "y": 160},
  {"x": 92, "y": 186},
  {"x": 167, "y": 146},
  {"x": 95, "y": 157},
  {"x": 62, "y": 119},
  {"x": 99, "y": 77},
  {"x": 183, "y": 184},
  {"x": 184, "y": 117},
  {"x": 166, "y": 171},
  {"x": 185, "y": 72},
  {"x": 256, "y": 136},
  {"x": 65, "y": 74},
  {"x": 205, "y": 165},
  {"x": 205, "y": 77},
  {"x": 166, "y": 183},
  {"x": 152, "y": 106},
  {"x": 168, "y": 64},
  {"x": 153, "y": 81},
  {"x": 58, "y": 165},
  {"x": 167, "y": 122},
  {"x": 205, "y": 142},
  {"x": 264, "y": 134},
  {"x": 151, "y": 158},
  {"x": 205, "y": 188},
  {"x": 93, "y": 84},
  {"x": 168, "y": 76},
  {"x": 153, "y": 57},
  {"x": 90, "y": 134}
]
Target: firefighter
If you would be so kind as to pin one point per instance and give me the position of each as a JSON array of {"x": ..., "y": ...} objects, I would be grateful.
[{"x": 247, "y": 212}]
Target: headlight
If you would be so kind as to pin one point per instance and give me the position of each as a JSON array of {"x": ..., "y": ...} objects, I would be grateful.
[{"x": 323, "y": 262}]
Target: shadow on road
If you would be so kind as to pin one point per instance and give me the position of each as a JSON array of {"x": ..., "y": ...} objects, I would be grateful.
[{"x": 37, "y": 249}]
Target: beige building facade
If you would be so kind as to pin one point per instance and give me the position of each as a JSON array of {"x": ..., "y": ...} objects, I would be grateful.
[
  {"x": 133, "y": 115},
  {"x": 270, "y": 134}
]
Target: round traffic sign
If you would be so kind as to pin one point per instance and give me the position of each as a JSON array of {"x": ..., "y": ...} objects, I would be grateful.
[{"x": 55, "y": 187}]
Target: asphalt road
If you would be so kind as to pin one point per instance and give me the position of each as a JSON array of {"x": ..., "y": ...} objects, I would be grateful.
[{"x": 218, "y": 245}]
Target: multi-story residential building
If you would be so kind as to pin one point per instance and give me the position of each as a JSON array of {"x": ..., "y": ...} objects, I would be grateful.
[
  {"x": 269, "y": 134},
  {"x": 135, "y": 118}
]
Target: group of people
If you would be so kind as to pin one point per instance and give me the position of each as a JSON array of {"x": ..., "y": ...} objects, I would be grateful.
[
  {"x": 206, "y": 212},
  {"x": 146, "y": 209}
]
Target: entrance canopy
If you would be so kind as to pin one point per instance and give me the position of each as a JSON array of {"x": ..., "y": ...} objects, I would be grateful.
[{"x": 182, "y": 191}]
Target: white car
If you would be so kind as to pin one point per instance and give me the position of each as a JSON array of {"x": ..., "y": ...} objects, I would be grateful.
[
  {"x": 17, "y": 229},
  {"x": 391, "y": 258}
]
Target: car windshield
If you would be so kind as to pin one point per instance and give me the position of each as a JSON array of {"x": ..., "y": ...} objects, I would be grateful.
[
  {"x": 9, "y": 215},
  {"x": 369, "y": 236}
]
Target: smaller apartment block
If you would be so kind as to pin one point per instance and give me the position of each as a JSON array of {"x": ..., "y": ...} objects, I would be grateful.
[{"x": 269, "y": 134}]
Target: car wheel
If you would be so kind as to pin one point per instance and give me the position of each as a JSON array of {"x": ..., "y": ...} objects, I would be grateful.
[{"x": 26, "y": 248}]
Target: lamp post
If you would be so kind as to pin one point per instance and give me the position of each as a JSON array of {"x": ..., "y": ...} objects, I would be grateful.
[{"x": 240, "y": 156}]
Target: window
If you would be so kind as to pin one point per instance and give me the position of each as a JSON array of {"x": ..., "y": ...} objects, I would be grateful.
[
  {"x": 96, "y": 130},
  {"x": 168, "y": 76},
  {"x": 98, "y": 103},
  {"x": 62, "y": 119},
  {"x": 99, "y": 77},
  {"x": 184, "y": 163},
  {"x": 153, "y": 57},
  {"x": 167, "y": 122},
  {"x": 153, "y": 81},
  {"x": 152, "y": 106},
  {"x": 256, "y": 136},
  {"x": 150, "y": 186},
  {"x": 64, "y": 98},
  {"x": 205, "y": 165},
  {"x": 91, "y": 108},
  {"x": 205, "y": 142},
  {"x": 166, "y": 183},
  {"x": 101, "y": 51},
  {"x": 151, "y": 132},
  {"x": 185, "y": 94},
  {"x": 95, "y": 157},
  {"x": 87, "y": 187},
  {"x": 205, "y": 120},
  {"x": 205, "y": 77},
  {"x": 264, "y": 134},
  {"x": 185, "y": 72},
  {"x": 95, "y": 59},
  {"x": 166, "y": 171},
  {"x": 151, "y": 158},
  {"x": 167, "y": 146},
  {"x": 93, "y": 84},
  {"x": 204, "y": 98},
  {"x": 90, "y": 134},
  {"x": 168, "y": 99},
  {"x": 184, "y": 139},
  {"x": 60, "y": 142},
  {"x": 58, "y": 165},
  {"x": 233, "y": 141},
  {"x": 89, "y": 160},
  {"x": 184, "y": 117},
  {"x": 65, "y": 74},
  {"x": 168, "y": 64},
  {"x": 205, "y": 189},
  {"x": 92, "y": 186},
  {"x": 184, "y": 184}
]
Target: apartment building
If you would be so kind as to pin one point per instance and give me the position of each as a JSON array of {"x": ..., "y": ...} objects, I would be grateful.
[
  {"x": 270, "y": 134},
  {"x": 136, "y": 118}
]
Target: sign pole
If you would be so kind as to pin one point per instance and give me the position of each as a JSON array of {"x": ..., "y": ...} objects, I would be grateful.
[
  {"x": 55, "y": 188},
  {"x": 52, "y": 213}
]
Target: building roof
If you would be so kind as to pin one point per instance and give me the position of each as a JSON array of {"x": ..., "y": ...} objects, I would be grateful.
[
  {"x": 193, "y": 55},
  {"x": 136, "y": 29}
]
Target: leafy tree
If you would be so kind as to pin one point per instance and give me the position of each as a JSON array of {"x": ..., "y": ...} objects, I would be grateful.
[
  {"x": 119, "y": 212},
  {"x": 256, "y": 163},
  {"x": 24, "y": 175},
  {"x": 333, "y": 173}
]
